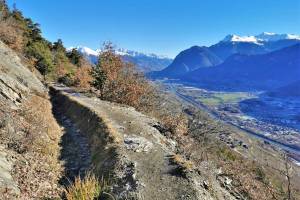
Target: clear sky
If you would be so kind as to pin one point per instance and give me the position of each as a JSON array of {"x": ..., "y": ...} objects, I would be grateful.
[{"x": 158, "y": 26}]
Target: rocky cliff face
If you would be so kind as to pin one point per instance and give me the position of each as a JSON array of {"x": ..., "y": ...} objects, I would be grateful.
[{"x": 16, "y": 81}]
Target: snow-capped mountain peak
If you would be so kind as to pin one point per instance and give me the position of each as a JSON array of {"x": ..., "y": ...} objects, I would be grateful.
[
  {"x": 266, "y": 36},
  {"x": 84, "y": 50},
  {"x": 259, "y": 39},
  {"x": 145, "y": 62},
  {"x": 236, "y": 38},
  {"x": 121, "y": 51}
]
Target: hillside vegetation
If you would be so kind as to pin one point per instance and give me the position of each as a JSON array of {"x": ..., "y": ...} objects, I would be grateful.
[{"x": 138, "y": 142}]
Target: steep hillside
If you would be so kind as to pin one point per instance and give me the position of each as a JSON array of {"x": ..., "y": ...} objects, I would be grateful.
[
  {"x": 256, "y": 72},
  {"x": 189, "y": 60},
  {"x": 29, "y": 134}
]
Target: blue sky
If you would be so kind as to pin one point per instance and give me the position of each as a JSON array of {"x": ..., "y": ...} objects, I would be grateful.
[{"x": 158, "y": 26}]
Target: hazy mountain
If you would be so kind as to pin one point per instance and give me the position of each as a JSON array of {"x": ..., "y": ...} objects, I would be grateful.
[
  {"x": 290, "y": 90},
  {"x": 148, "y": 62},
  {"x": 189, "y": 60},
  {"x": 144, "y": 62},
  {"x": 251, "y": 72},
  {"x": 251, "y": 45}
]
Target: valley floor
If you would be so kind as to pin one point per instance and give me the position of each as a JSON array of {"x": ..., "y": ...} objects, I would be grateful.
[{"x": 249, "y": 113}]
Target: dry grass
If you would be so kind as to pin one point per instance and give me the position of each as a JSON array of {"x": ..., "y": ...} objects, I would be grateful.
[
  {"x": 41, "y": 127},
  {"x": 168, "y": 112},
  {"x": 87, "y": 188},
  {"x": 249, "y": 178},
  {"x": 32, "y": 136},
  {"x": 184, "y": 165}
]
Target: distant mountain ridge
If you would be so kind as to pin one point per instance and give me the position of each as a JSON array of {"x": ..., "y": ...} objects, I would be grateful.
[
  {"x": 189, "y": 60},
  {"x": 198, "y": 57},
  {"x": 251, "y": 45},
  {"x": 251, "y": 72},
  {"x": 144, "y": 62}
]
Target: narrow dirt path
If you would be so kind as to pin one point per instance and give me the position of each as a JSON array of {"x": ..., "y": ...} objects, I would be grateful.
[
  {"x": 147, "y": 152},
  {"x": 75, "y": 150}
]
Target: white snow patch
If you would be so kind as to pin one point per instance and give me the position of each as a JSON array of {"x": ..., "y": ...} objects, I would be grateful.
[
  {"x": 236, "y": 38},
  {"x": 259, "y": 39}
]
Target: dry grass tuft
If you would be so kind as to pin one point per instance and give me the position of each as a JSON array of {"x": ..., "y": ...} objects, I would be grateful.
[
  {"x": 88, "y": 188},
  {"x": 185, "y": 165}
]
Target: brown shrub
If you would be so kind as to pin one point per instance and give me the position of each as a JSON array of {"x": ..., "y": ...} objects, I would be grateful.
[
  {"x": 127, "y": 88},
  {"x": 120, "y": 82},
  {"x": 83, "y": 76},
  {"x": 60, "y": 70}
]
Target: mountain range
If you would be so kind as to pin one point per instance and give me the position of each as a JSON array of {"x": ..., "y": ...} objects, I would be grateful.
[
  {"x": 251, "y": 72},
  {"x": 144, "y": 62},
  {"x": 250, "y": 45},
  {"x": 262, "y": 62},
  {"x": 200, "y": 57}
]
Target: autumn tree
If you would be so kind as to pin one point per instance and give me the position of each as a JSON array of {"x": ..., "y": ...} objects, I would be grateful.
[
  {"x": 117, "y": 80},
  {"x": 83, "y": 76},
  {"x": 105, "y": 72}
]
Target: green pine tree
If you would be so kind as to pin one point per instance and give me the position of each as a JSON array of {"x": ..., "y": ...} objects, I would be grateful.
[
  {"x": 99, "y": 78},
  {"x": 74, "y": 57}
]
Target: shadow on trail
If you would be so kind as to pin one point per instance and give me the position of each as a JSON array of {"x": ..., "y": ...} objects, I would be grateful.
[{"x": 75, "y": 151}]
